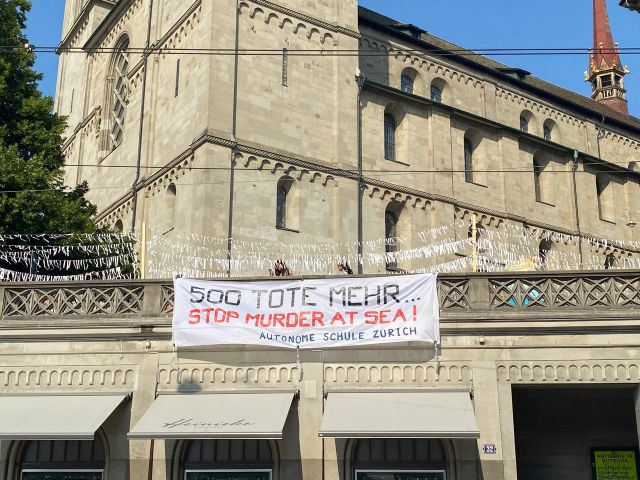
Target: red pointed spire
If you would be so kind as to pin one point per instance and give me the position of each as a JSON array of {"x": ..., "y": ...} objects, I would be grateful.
[
  {"x": 606, "y": 72},
  {"x": 603, "y": 46}
]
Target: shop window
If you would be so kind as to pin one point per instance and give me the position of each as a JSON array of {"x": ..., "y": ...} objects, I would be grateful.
[
  {"x": 63, "y": 460},
  {"x": 228, "y": 460},
  {"x": 400, "y": 459}
]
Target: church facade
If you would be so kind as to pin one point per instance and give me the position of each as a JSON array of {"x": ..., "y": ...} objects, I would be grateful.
[{"x": 322, "y": 122}]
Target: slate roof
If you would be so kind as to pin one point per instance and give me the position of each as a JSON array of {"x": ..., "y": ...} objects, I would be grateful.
[{"x": 570, "y": 100}]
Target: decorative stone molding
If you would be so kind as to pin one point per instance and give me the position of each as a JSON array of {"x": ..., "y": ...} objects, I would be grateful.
[
  {"x": 53, "y": 301},
  {"x": 484, "y": 219},
  {"x": 291, "y": 14},
  {"x": 179, "y": 31},
  {"x": 420, "y": 62},
  {"x": 415, "y": 374},
  {"x": 160, "y": 184},
  {"x": 292, "y": 22},
  {"x": 117, "y": 211},
  {"x": 119, "y": 27},
  {"x": 454, "y": 294},
  {"x": 621, "y": 139},
  {"x": 90, "y": 124},
  {"x": 208, "y": 376},
  {"x": 538, "y": 107},
  {"x": 561, "y": 292},
  {"x": 62, "y": 377},
  {"x": 586, "y": 371}
]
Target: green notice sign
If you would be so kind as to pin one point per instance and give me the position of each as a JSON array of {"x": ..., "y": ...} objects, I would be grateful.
[{"x": 617, "y": 464}]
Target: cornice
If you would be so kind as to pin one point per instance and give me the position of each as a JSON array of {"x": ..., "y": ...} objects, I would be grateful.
[{"x": 306, "y": 18}]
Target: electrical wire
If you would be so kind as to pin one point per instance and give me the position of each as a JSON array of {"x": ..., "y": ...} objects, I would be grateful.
[{"x": 329, "y": 52}]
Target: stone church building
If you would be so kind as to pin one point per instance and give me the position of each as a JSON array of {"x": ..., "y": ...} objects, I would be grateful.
[
  {"x": 176, "y": 133},
  {"x": 322, "y": 123}
]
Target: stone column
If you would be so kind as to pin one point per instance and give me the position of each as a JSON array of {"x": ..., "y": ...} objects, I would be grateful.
[
  {"x": 508, "y": 438},
  {"x": 143, "y": 397},
  {"x": 488, "y": 414}
]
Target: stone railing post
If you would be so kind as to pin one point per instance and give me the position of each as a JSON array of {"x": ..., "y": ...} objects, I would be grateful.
[
  {"x": 479, "y": 293},
  {"x": 152, "y": 300}
]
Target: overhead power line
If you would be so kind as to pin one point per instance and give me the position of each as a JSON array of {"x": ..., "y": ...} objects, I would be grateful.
[{"x": 322, "y": 52}]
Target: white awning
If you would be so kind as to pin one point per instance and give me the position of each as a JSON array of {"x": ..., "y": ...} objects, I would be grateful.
[
  {"x": 215, "y": 415},
  {"x": 55, "y": 417},
  {"x": 407, "y": 414}
]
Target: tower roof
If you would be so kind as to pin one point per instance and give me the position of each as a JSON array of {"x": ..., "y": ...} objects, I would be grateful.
[{"x": 605, "y": 52}]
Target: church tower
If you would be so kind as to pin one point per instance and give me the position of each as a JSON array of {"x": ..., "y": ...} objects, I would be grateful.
[{"x": 606, "y": 72}]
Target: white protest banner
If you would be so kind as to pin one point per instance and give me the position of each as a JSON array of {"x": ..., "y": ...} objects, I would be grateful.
[{"x": 335, "y": 312}]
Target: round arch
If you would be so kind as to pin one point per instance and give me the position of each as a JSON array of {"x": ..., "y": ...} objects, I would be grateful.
[
  {"x": 419, "y": 454},
  {"x": 77, "y": 455},
  {"x": 226, "y": 455}
]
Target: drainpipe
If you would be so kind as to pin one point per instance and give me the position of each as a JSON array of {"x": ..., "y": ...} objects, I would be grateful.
[
  {"x": 135, "y": 187},
  {"x": 574, "y": 168},
  {"x": 234, "y": 128},
  {"x": 360, "y": 80}
]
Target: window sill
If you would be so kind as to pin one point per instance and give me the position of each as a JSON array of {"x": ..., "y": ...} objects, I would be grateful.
[
  {"x": 397, "y": 161},
  {"x": 477, "y": 184},
  {"x": 285, "y": 229}
]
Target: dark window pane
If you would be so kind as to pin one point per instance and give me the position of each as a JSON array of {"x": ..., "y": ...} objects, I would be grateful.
[
  {"x": 62, "y": 476},
  {"x": 468, "y": 161},
  {"x": 389, "y": 137},
  {"x": 406, "y": 84},
  {"x": 547, "y": 133},
  {"x": 524, "y": 124},
  {"x": 436, "y": 94},
  {"x": 281, "y": 212}
]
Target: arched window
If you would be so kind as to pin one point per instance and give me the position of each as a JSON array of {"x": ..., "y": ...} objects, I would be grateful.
[
  {"x": 118, "y": 79},
  {"x": 63, "y": 460},
  {"x": 389, "y": 137},
  {"x": 118, "y": 227},
  {"x": 170, "y": 210},
  {"x": 406, "y": 84},
  {"x": 468, "y": 160},
  {"x": 400, "y": 459},
  {"x": 545, "y": 247},
  {"x": 537, "y": 178},
  {"x": 610, "y": 262},
  {"x": 604, "y": 191},
  {"x": 437, "y": 90},
  {"x": 436, "y": 94},
  {"x": 284, "y": 207},
  {"x": 391, "y": 237},
  {"x": 227, "y": 460},
  {"x": 524, "y": 123},
  {"x": 547, "y": 132}
]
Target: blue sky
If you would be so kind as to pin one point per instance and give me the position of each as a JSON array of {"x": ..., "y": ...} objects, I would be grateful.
[{"x": 472, "y": 24}]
